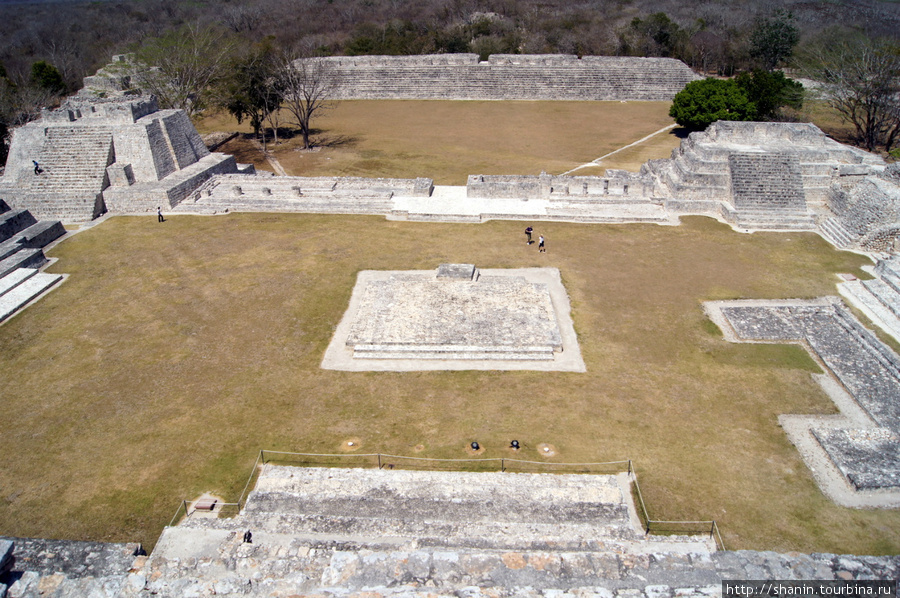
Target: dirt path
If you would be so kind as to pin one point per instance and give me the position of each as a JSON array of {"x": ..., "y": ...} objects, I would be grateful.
[{"x": 624, "y": 147}]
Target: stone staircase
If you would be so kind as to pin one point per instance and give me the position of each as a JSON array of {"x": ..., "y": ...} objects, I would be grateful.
[
  {"x": 767, "y": 192},
  {"x": 878, "y": 298},
  {"x": 74, "y": 161},
  {"x": 22, "y": 238},
  {"x": 766, "y": 181},
  {"x": 833, "y": 230},
  {"x": 437, "y": 509},
  {"x": 391, "y": 530}
]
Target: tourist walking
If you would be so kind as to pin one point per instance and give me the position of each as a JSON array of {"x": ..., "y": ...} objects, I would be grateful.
[
  {"x": 541, "y": 248},
  {"x": 528, "y": 232},
  {"x": 37, "y": 167},
  {"x": 159, "y": 215}
]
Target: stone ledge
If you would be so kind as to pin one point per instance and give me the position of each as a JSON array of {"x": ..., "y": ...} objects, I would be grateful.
[{"x": 388, "y": 309}]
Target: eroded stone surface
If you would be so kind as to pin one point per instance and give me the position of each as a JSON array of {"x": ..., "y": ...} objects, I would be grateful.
[
  {"x": 496, "y": 319},
  {"x": 868, "y": 458},
  {"x": 421, "y": 311}
]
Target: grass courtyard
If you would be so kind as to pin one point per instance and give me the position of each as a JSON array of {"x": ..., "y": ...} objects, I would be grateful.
[
  {"x": 447, "y": 141},
  {"x": 175, "y": 351}
]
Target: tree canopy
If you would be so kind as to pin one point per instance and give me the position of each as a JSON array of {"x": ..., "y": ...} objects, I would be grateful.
[
  {"x": 254, "y": 87},
  {"x": 773, "y": 40},
  {"x": 757, "y": 95},
  {"x": 46, "y": 76},
  {"x": 702, "y": 103}
]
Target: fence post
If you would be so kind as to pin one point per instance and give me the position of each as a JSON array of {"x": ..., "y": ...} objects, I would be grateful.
[
  {"x": 502, "y": 465},
  {"x": 379, "y": 460},
  {"x": 262, "y": 456},
  {"x": 629, "y": 467}
]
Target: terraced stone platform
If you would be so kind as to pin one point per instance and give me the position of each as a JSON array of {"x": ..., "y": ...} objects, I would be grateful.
[
  {"x": 863, "y": 445},
  {"x": 488, "y": 319},
  {"x": 383, "y": 533},
  {"x": 878, "y": 298}
]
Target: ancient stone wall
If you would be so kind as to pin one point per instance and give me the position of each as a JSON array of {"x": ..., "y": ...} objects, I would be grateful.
[
  {"x": 509, "y": 77},
  {"x": 616, "y": 183}
]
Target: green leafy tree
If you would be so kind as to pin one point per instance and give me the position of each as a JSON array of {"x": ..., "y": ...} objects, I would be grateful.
[
  {"x": 701, "y": 103},
  {"x": 769, "y": 91},
  {"x": 47, "y": 77},
  {"x": 254, "y": 87},
  {"x": 773, "y": 40}
]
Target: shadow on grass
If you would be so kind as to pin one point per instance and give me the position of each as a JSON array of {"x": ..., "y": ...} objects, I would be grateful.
[{"x": 336, "y": 141}]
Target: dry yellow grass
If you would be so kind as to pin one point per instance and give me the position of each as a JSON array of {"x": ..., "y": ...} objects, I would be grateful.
[
  {"x": 175, "y": 351},
  {"x": 448, "y": 141}
]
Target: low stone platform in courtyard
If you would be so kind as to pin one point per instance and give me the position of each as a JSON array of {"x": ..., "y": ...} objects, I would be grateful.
[{"x": 456, "y": 318}]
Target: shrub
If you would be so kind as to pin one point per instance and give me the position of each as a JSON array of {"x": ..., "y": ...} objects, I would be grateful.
[{"x": 701, "y": 103}]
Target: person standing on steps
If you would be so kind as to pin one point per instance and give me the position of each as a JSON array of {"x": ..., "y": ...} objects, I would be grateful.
[
  {"x": 528, "y": 232},
  {"x": 541, "y": 248},
  {"x": 37, "y": 167},
  {"x": 159, "y": 215}
]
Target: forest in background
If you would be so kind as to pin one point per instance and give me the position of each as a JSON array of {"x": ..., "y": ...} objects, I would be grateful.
[{"x": 711, "y": 36}]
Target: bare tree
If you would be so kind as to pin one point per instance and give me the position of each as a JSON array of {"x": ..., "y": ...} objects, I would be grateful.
[
  {"x": 242, "y": 17},
  {"x": 310, "y": 85},
  {"x": 862, "y": 81},
  {"x": 181, "y": 67}
]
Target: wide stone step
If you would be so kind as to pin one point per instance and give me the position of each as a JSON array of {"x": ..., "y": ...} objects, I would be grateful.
[
  {"x": 25, "y": 258},
  {"x": 15, "y": 278},
  {"x": 372, "y": 532},
  {"x": 14, "y": 221},
  {"x": 366, "y": 351},
  {"x": 212, "y": 562},
  {"x": 336, "y": 483},
  {"x": 877, "y": 301},
  {"x": 487, "y": 510},
  {"x": 17, "y": 297}
]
